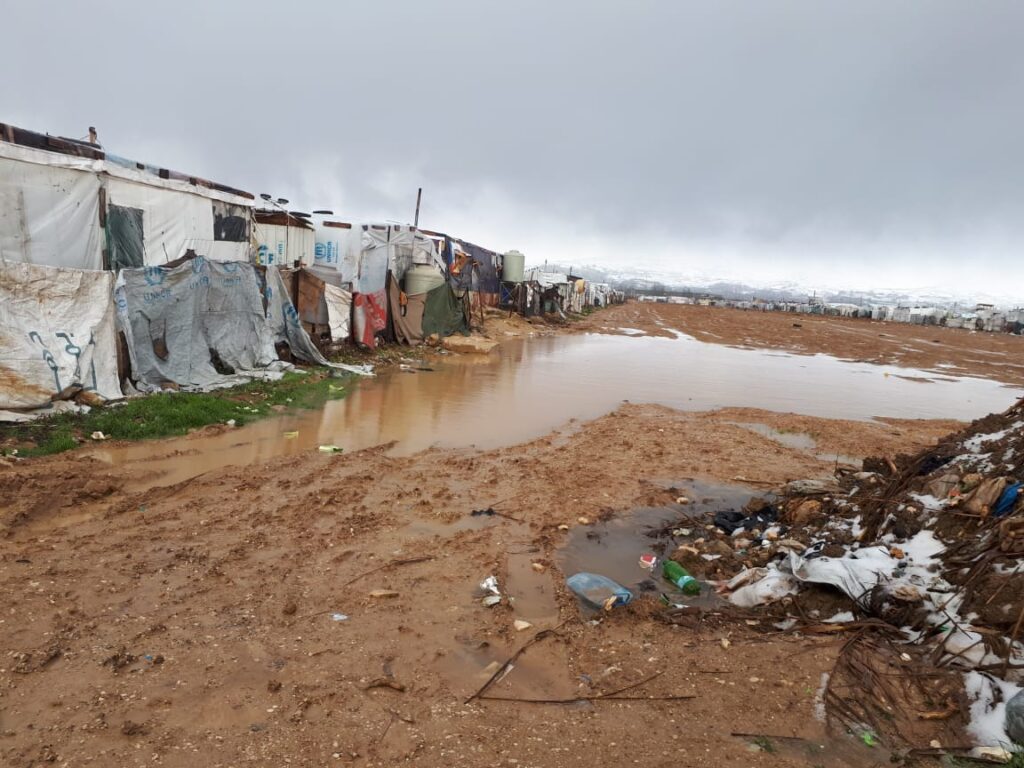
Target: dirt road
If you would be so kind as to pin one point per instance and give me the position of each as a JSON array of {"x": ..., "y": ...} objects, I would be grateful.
[
  {"x": 932, "y": 348},
  {"x": 324, "y": 609}
]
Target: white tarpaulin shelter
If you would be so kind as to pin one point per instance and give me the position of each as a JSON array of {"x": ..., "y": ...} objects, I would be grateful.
[
  {"x": 56, "y": 332},
  {"x": 185, "y": 322},
  {"x": 338, "y": 247},
  {"x": 49, "y": 209},
  {"x": 65, "y": 210},
  {"x": 283, "y": 244},
  {"x": 204, "y": 324}
]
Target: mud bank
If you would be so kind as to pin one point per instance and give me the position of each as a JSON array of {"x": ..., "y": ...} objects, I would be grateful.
[{"x": 199, "y": 621}]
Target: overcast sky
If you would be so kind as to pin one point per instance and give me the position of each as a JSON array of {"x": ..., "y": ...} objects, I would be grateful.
[{"x": 856, "y": 143}]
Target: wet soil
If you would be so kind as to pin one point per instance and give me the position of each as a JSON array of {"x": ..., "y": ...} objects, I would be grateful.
[
  {"x": 233, "y": 579},
  {"x": 311, "y": 608}
]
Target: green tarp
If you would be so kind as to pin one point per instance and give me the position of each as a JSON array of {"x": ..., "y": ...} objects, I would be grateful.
[{"x": 443, "y": 313}]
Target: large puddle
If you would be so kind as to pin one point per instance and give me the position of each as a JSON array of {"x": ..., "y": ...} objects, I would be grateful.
[{"x": 529, "y": 387}]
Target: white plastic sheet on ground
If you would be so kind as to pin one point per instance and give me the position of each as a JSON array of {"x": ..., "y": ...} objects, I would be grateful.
[
  {"x": 759, "y": 586},
  {"x": 856, "y": 574},
  {"x": 56, "y": 331}
]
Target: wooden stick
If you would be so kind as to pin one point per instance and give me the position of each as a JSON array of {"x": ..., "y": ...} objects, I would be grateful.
[
  {"x": 1013, "y": 639},
  {"x": 578, "y": 699},
  {"x": 407, "y": 561},
  {"x": 511, "y": 659}
]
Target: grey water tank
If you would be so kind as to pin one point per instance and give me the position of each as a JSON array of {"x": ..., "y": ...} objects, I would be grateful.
[
  {"x": 422, "y": 278},
  {"x": 513, "y": 264}
]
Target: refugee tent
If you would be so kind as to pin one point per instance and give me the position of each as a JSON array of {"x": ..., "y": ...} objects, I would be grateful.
[
  {"x": 200, "y": 324},
  {"x": 323, "y": 302},
  {"x": 67, "y": 203},
  {"x": 385, "y": 248},
  {"x": 49, "y": 208},
  {"x": 57, "y": 334},
  {"x": 283, "y": 238},
  {"x": 194, "y": 324},
  {"x": 338, "y": 247}
]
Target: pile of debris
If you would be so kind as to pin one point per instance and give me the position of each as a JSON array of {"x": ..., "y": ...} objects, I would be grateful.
[{"x": 922, "y": 558}]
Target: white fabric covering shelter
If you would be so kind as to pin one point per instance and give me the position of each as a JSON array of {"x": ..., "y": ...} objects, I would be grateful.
[{"x": 56, "y": 332}]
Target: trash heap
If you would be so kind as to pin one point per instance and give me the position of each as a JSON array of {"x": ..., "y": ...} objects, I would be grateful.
[{"x": 923, "y": 556}]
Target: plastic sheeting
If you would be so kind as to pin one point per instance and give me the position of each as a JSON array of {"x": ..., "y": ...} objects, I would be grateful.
[
  {"x": 49, "y": 215},
  {"x": 339, "y": 309},
  {"x": 407, "y": 317},
  {"x": 184, "y": 322},
  {"x": 337, "y": 247},
  {"x": 283, "y": 246},
  {"x": 369, "y": 300},
  {"x": 443, "y": 313},
  {"x": 283, "y": 321},
  {"x": 174, "y": 223},
  {"x": 56, "y": 331}
]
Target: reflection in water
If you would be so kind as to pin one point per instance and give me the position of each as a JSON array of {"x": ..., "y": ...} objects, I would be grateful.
[{"x": 530, "y": 386}]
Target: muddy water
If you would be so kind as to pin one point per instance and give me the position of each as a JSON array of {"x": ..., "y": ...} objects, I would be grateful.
[
  {"x": 613, "y": 547},
  {"x": 799, "y": 441},
  {"x": 529, "y": 387}
]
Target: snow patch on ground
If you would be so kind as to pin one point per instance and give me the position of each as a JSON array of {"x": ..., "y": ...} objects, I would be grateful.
[{"x": 988, "y": 697}]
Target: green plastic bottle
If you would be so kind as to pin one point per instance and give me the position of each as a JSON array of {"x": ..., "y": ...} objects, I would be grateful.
[{"x": 676, "y": 574}]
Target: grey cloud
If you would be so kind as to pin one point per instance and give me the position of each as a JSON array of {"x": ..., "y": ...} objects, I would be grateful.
[{"x": 802, "y": 135}]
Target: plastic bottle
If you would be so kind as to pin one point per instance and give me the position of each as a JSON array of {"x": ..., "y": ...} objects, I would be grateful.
[
  {"x": 677, "y": 575},
  {"x": 598, "y": 591}
]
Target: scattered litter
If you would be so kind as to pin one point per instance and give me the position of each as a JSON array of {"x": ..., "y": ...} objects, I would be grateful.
[
  {"x": 563, "y": 527},
  {"x": 1008, "y": 500},
  {"x": 868, "y": 738},
  {"x": 520, "y": 625},
  {"x": 339, "y": 617},
  {"x": 383, "y": 593},
  {"x": 598, "y": 591},
  {"x": 99, "y": 436},
  {"x": 230, "y": 422},
  {"x": 491, "y": 592},
  {"x": 330, "y": 449},
  {"x": 583, "y": 520},
  {"x": 682, "y": 500},
  {"x": 680, "y": 578},
  {"x": 648, "y": 561},
  {"x": 291, "y": 435},
  {"x": 538, "y": 567}
]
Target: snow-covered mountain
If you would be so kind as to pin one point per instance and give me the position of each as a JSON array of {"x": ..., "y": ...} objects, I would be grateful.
[{"x": 657, "y": 281}]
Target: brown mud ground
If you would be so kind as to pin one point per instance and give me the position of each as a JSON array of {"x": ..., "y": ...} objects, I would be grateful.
[
  {"x": 194, "y": 624},
  {"x": 951, "y": 350}
]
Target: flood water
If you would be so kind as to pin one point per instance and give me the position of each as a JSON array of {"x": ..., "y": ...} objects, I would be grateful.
[{"x": 529, "y": 387}]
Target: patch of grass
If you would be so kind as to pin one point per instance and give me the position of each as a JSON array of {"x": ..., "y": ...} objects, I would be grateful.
[{"x": 169, "y": 414}]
